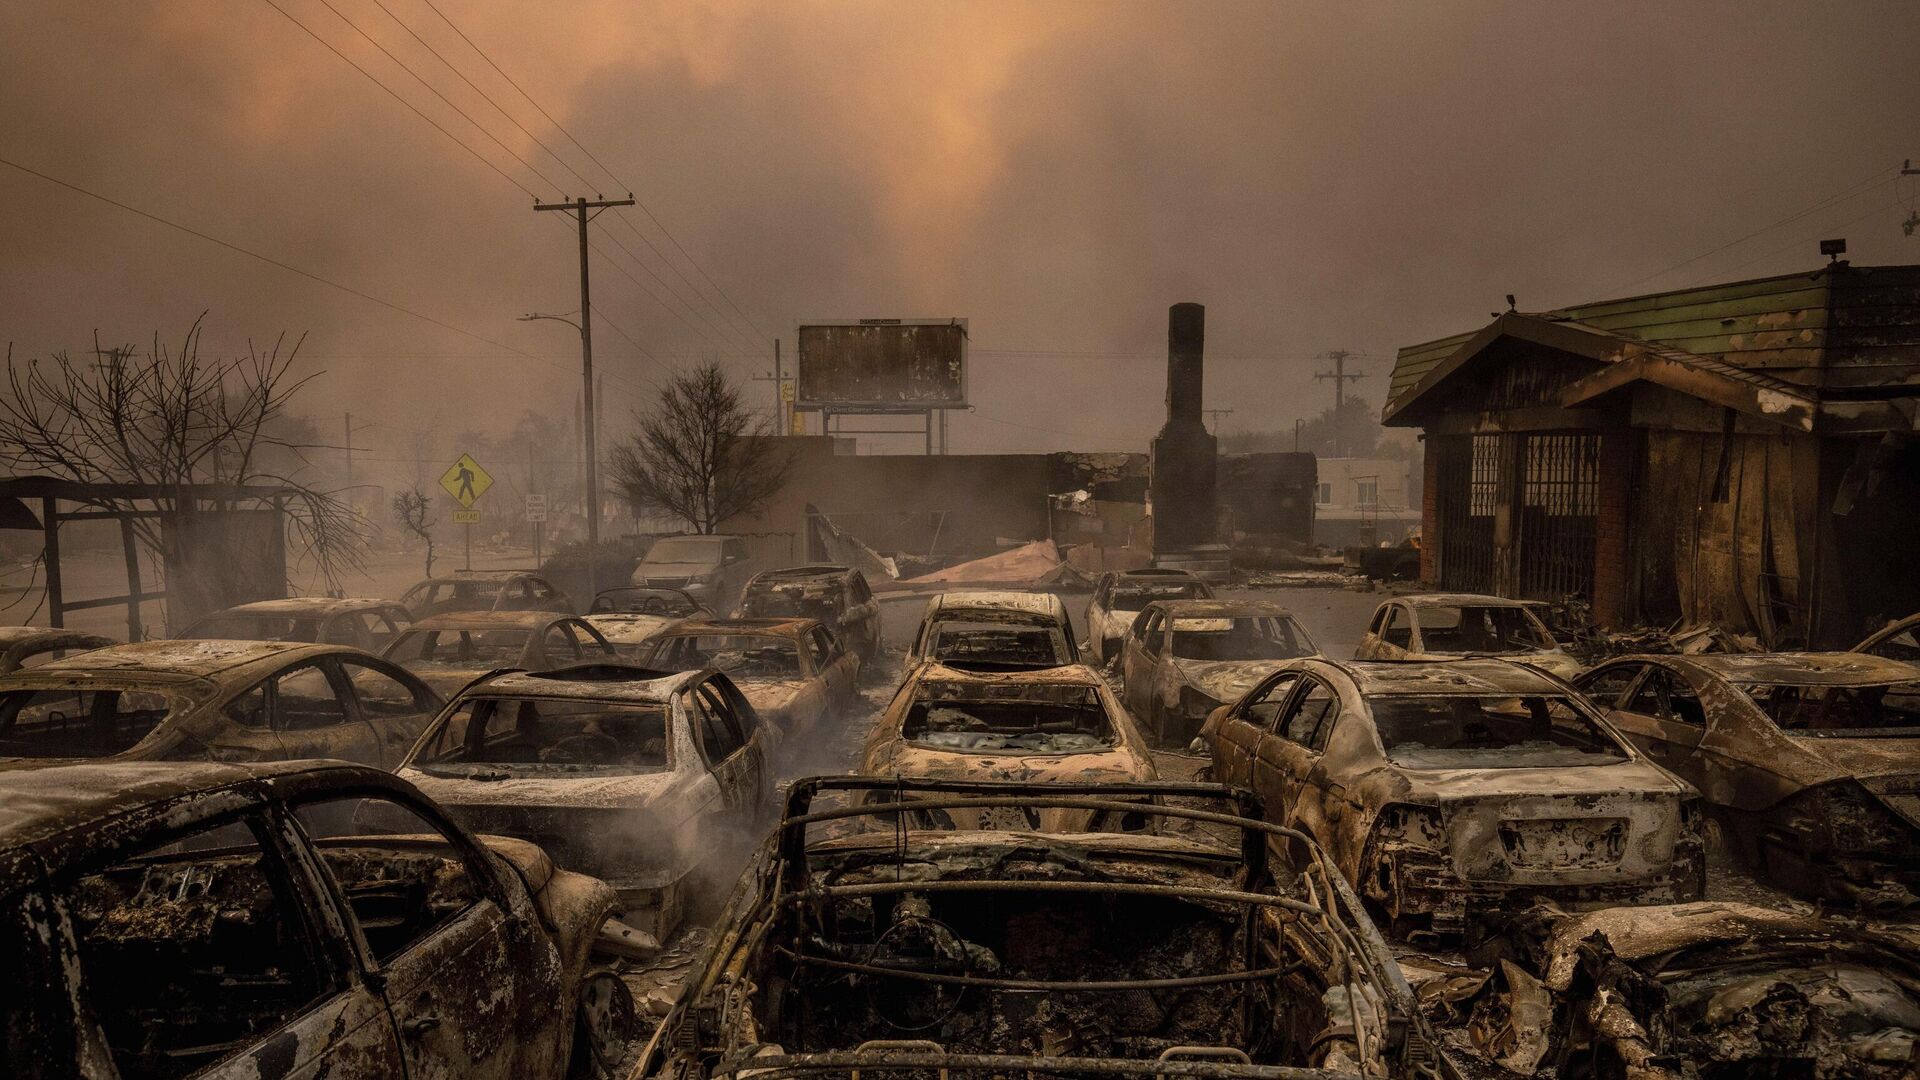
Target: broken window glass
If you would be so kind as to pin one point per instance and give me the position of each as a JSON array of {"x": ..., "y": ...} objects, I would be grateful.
[
  {"x": 1461, "y": 731},
  {"x": 1035, "y": 643}
]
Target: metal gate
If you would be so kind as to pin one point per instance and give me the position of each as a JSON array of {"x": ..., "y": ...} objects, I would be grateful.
[
  {"x": 1467, "y": 473},
  {"x": 1559, "y": 508}
]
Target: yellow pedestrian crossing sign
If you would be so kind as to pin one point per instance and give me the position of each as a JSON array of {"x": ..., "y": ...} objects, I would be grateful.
[{"x": 466, "y": 480}]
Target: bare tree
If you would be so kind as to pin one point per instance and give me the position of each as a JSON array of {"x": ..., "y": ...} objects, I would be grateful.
[
  {"x": 700, "y": 454},
  {"x": 168, "y": 417},
  {"x": 414, "y": 511}
]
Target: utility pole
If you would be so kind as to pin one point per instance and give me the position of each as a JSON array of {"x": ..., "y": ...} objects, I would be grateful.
[
  {"x": 1340, "y": 380},
  {"x": 580, "y": 206},
  {"x": 1214, "y": 415},
  {"x": 1913, "y": 216}
]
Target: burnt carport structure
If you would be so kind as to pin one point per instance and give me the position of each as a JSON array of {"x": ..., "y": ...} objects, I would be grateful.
[
  {"x": 1739, "y": 454},
  {"x": 179, "y": 507}
]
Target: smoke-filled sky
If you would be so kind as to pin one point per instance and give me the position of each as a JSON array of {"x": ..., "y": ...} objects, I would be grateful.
[{"x": 1340, "y": 175}]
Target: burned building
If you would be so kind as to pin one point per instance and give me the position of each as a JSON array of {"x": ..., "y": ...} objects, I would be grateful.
[{"x": 1741, "y": 454}]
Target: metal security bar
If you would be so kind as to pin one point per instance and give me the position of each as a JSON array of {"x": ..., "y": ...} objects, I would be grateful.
[
  {"x": 1468, "y": 477},
  {"x": 1559, "y": 508}
]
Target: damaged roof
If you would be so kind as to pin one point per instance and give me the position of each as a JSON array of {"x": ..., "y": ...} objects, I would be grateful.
[
  {"x": 1422, "y": 601},
  {"x": 1462, "y": 675},
  {"x": 203, "y": 658}
]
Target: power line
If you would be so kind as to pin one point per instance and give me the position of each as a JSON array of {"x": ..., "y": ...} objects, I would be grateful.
[
  {"x": 618, "y": 183},
  {"x": 1846, "y": 194},
  {"x": 1810, "y": 239}
]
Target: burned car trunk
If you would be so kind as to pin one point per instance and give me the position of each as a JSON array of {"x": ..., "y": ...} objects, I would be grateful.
[
  {"x": 1003, "y": 953},
  {"x": 1707, "y": 990}
]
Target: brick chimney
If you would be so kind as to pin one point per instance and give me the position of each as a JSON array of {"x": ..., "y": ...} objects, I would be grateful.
[{"x": 1184, "y": 456}]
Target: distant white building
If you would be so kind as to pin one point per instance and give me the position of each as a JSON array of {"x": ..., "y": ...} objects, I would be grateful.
[{"x": 1364, "y": 501}]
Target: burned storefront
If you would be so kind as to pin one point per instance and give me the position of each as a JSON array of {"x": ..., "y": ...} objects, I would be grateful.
[{"x": 1738, "y": 454}]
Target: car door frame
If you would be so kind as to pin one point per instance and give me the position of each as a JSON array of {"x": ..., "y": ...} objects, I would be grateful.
[
  {"x": 1292, "y": 766},
  {"x": 1244, "y": 740},
  {"x": 365, "y": 734},
  {"x": 426, "y": 701},
  {"x": 1136, "y": 664},
  {"x": 516, "y": 921},
  {"x": 741, "y": 775}
]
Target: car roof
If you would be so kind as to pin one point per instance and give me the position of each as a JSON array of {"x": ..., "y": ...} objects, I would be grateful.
[
  {"x": 1037, "y": 603},
  {"x": 1219, "y": 609},
  {"x": 490, "y": 620},
  {"x": 616, "y": 625},
  {"x": 318, "y": 606},
  {"x": 1063, "y": 675},
  {"x": 42, "y": 802},
  {"x": 203, "y": 658},
  {"x": 773, "y": 627},
  {"x": 1463, "y": 675},
  {"x": 1806, "y": 669},
  {"x": 589, "y": 682},
  {"x": 1459, "y": 599},
  {"x": 14, "y": 635}
]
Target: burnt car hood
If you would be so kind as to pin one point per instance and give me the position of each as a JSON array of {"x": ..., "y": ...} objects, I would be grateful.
[
  {"x": 770, "y": 695},
  {"x": 1225, "y": 681}
]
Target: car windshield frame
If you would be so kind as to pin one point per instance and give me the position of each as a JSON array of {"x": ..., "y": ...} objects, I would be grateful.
[
  {"x": 468, "y": 635},
  {"x": 990, "y": 622},
  {"x": 433, "y": 756},
  {"x": 1773, "y": 702},
  {"x": 656, "y": 657},
  {"x": 938, "y": 706},
  {"x": 1542, "y": 638},
  {"x": 1133, "y": 597},
  {"x": 1560, "y": 749},
  {"x": 1293, "y": 636},
  {"x": 15, "y": 698}
]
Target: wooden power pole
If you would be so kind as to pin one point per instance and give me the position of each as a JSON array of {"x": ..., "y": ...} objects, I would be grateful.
[
  {"x": 580, "y": 206},
  {"x": 1340, "y": 380}
]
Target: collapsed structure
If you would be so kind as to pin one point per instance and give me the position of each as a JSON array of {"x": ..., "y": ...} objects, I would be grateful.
[{"x": 1737, "y": 454}]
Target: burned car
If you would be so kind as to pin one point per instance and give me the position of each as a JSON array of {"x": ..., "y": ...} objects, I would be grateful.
[
  {"x": 484, "y": 590},
  {"x": 1675, "y": 992},
  {"x": 998, "y": 627},
  {"x": 1121, "y": 595},
  {"x": 637, "y": 778},
  {"x": 1809, "y": 761},
  {"x": 1441, "y": 626},
  {"x": 1185, "y": 658},
  {"x": 793, "y": 671},
  {"x": 990, "y": 954},
  {"x": 1440, "y": 788},
  {"x": 214, "y": 700},
  {"x": 835, "y": 595},
  {"x": 451, "y": 650},
  {"x": 710, "y": 568},
  {"x": 246, "y": 921},
  {"x": 368, "y": 624},
  {"x": 639, "y": 600},
  {"x": 1053, "y": 724},
  {"x": 30, "y": 646}
]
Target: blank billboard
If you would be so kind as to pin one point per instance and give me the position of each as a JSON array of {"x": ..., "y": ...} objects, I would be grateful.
[{"x": 905, "y": 364}]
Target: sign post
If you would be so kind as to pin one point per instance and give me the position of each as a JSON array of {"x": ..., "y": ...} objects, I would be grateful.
[
  {"x": 537, "y": 514},
  {"x": 466, "y": 481}
]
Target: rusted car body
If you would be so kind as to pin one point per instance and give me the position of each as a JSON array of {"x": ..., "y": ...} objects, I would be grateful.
[
  {"x": 227, "y": 921},
  {"x": 1440, "y": 788},
  {"x": 1182, "y": 659},
  {"x": 1053, "y": 724},
  {"x": 29, "y": 646},
  {"x": 1120, "y": 595},
  {"x": 837, "y": 596},
  {"x": 629, "y": 618},
  {"x": 1709, "y": 989},
  {"x": 214, "y": 701},
  {"x": 1442, "y": 626},
  {"x": 1810, "y": 761},
  {"x": 633, "y": 777},
  {"x": 484, "y": 590},
  {"x": 368, "y": 624},
  {"x": 793, "y": 671},
  {"x": 988, "y": 954},
  {"x": 451, "y": 650},
  {"x": 1898, "y": 640},
  {"x": 1002, "y": 627}
]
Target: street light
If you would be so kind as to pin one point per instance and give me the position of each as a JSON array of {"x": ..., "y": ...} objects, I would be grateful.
[{"x": 593, "y": 450}]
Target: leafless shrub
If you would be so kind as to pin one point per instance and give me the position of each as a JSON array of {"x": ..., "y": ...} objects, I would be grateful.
[
  {"x": 700, "y": 454},
  {"x": 169, "y": 417},
  {"x": 414, "y": 511}
]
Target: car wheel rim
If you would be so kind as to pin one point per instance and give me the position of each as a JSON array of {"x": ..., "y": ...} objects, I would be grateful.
[{"x": 606, "y": 1012}]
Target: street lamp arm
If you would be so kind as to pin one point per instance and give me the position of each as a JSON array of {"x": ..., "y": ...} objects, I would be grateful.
[{"x": 531, "y": 316}]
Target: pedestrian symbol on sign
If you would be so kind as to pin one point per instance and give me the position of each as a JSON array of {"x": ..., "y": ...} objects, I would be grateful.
[{"x": 466, "y": 481}]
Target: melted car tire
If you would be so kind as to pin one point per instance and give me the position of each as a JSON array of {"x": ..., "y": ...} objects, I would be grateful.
[{"x": 602, "y": 1027}]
